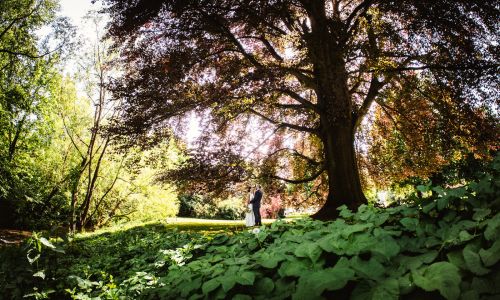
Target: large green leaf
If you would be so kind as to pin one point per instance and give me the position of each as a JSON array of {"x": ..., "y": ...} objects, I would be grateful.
[
  {"x": 492, "y": 231},
  {"x": 264, "y": 286},
  {"x": 457, "y": 258},
  {"x": 480, "y": 213},
  {"x": 362, "y": 291},
  {"x": 386, "y": 290},
  {"x": 431, "y": 241},
  {"x": 361, "y": 242},
  {"x": 465, "y": 236},
  {"x": 270, "y": 260},
  {"x": 284, "y": 287},
  {"x": 473, "y": 261},
  {"x": 441, "y": 192},
  {"x": 427, "y": 208},
  {"x": 227, "y": 282},
  {"x": 409, "y": 223},
  {"x": 261, "y": 236},
  {"x": 246, "y": 278},
  {"x": 441, "y": 276},
  {"x": 492, "y": 255},
  {"x": 386, "y": 246},
  {"x": 344, "y": 212},
  {"x": 370, "y": 269},
  {"x": 379, "y": 218},
  {"x": 415, "y": 262},
  {"x": 333, "y": 243},
  {"x": 348, "y": 230},
  {"x": 423, "y": 188},
  {"x": 293, "y": 268},
  {"x": 188, "y": 287},
  {"x": 443, "y": 202},
  {"x": 312, "y": 284},
  {"x": 236, "y": 261},
  {"x": 405, "y": 284},
  {"x": 308, "y": 249},
  {"x": 210, "y": 285}
]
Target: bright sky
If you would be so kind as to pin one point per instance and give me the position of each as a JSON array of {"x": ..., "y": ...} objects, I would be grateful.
[{"x": 76, "y": 9}]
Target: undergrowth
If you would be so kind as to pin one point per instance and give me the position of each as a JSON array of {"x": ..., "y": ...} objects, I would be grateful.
[{"x": 444, "y": 246}]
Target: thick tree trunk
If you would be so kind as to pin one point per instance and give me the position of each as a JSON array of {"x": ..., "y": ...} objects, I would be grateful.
[
  {"x": 337, "y": 134},
  {"x": 343, "y": 176},
  {"x": 336, "y": 117}
]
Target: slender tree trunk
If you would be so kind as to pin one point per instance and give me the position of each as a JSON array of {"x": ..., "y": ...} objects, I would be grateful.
[
  {"x": 74, "y": 196},
  {"x": 90, "y": 190},
  {"x": 15, "y": 140}
]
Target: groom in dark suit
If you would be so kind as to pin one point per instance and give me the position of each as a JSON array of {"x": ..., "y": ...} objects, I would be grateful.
[{"x": 256, "y": 205}]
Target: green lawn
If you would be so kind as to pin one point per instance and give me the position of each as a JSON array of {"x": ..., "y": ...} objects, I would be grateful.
[{"x": 203, "y": 226}]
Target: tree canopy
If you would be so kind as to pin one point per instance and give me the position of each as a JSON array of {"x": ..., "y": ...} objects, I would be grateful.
[
  {"x": 310, "y": 69},
  {"x": 57, "y": 169}
]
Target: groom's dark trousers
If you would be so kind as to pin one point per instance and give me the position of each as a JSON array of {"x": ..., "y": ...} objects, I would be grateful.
[{"x": 256, "y": 207}]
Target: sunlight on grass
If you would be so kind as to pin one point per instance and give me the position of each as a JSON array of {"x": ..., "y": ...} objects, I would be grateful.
[{"x": 203, "y": 226}]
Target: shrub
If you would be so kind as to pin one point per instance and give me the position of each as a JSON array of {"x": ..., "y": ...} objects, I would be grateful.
[
  {"x": 271, "y": 206},
  {"x": 189, "y": 205},
  {"x": 195, "y": 206}
]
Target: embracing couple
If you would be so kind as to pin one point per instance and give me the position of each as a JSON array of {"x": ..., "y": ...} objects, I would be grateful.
[{"x": 253, "y": 215}]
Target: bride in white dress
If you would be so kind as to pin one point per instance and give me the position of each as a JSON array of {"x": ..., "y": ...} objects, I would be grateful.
[{"x": 249, "y": 216}]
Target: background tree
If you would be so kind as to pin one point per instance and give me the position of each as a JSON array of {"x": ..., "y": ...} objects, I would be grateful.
[
  {"x": 93, "y": 148},
  {"x": 418, "y": 131},
  {"x": 28, "y": 82},
  {"x": 107, "y": 184},
  {"x": 313, "y": 67},
  {"x": 47, "y": 128}
]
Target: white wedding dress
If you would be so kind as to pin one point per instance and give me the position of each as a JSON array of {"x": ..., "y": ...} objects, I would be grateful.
[{"x": 249, "y": 216}]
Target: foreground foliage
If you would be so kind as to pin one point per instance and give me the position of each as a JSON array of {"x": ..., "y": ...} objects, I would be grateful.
[{"x": 445, "y": 246}]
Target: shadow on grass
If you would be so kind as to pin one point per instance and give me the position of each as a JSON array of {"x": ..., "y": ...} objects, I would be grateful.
[{"x": 174, "y": 226}]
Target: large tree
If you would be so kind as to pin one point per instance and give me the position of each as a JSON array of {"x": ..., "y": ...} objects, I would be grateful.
[{"x": 308, "y": 66}]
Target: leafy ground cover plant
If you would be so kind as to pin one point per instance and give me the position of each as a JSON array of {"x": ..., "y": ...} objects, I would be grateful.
[{"x": 446, "y": 246}]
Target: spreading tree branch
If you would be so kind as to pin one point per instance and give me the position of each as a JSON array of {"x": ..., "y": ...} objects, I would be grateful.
[
  {"x": 284, "y": 124},
  {"x": 303, "y": 180},
  {"x": 295, "y": 153},
  {"x": 299, "y": 99}
]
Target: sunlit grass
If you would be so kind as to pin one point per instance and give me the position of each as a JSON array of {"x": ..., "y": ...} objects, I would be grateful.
[{"x": 203, "y": 226}]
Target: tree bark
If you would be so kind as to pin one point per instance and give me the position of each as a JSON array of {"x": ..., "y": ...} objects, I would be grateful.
[
  {"x": 337, "y": 130},
  {"x": 337, "y": 126},
  {"x": 344, "y": 184}
]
